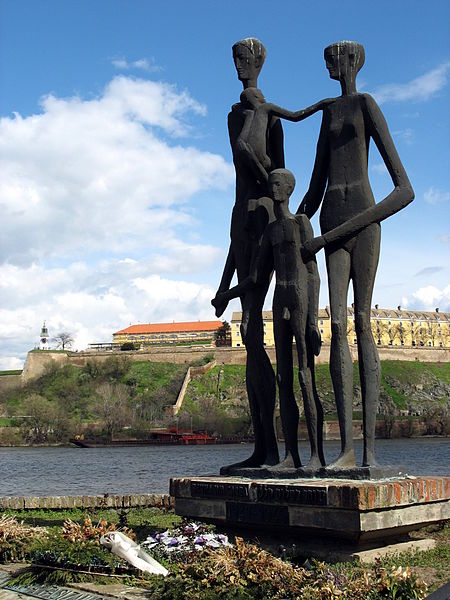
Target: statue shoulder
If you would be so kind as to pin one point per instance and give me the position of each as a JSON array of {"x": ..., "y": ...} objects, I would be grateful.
[{"x": 305, "y": 226}]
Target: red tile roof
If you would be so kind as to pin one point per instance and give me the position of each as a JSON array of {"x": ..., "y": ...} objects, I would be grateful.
[{"x": 171, "y": 327}]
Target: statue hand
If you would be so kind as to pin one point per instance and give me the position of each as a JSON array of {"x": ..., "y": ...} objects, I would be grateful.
[
  {"x": 219, "y": 303},
  {"x": 311, "y": 247},
  {"x": 314, "y": 338}
]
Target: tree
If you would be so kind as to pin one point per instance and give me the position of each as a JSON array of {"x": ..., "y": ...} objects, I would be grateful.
[
  {"x": 63, "y": 340},
  {"x": 112, "y": 407},
  {"x": 379, "y": 331},
  {"x": 418, "y": 334},
  {"x": 45, "y": 420},
  {"x": 223, "y": 335}
]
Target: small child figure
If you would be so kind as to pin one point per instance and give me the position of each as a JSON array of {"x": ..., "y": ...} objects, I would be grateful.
[
  {"x": 252, "y": 143},
  {"x": 295, "y": 308}
]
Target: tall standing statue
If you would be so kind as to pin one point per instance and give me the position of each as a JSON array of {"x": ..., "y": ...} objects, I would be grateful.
[
  {"x": 350, "y": 225},
  {"x": 248, "y": 222}
]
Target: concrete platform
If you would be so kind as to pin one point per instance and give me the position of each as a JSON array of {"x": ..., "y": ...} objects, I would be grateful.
[{"x": 357, "y": 512}]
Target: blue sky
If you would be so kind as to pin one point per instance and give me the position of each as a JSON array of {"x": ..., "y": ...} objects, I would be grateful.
[{"x": 117, "y": 184}]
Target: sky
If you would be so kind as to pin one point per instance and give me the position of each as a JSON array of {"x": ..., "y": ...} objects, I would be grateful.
[{"x": 116, "y": 178}]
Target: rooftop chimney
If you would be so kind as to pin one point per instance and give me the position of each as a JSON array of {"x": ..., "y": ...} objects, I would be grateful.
[
  {"x": 399, "y": 307},
  {"x": 376, "y": 306},
  {"x": 437, "y": 309}
]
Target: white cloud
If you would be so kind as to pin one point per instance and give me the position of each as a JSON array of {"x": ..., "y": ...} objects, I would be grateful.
[
  {"x": 419, "y": 89},
  {"x": 434, "y": 196},
  {"x": 88, "y": 188},
  {"x": 429, "y": 297},
  {"x": 90, "y": 301},
  {"x": 142, "y": 64},
  {"x": 88, "y": 175}
]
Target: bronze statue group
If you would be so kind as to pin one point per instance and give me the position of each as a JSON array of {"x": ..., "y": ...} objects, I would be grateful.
[{"x": 267, "y": 238}]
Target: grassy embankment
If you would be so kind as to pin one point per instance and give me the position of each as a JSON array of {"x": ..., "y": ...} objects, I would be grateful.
[
  {"x": 65, "y": 552},
  {"x": 106, "y": 397},
  {"x": 405, "y": 385}
]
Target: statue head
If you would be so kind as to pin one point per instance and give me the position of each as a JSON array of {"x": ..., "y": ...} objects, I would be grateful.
[
  {"x": 248, "y": 55},
  {"x": 344, "y": 59},
  {"x": 252, "y": 97},
  {"x": 281, "y": 184}
]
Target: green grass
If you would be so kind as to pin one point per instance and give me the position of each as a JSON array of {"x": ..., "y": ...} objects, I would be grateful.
[
  {"x": 150, "y": 377},
  {"x": 12, "y": 372},
  {"x": 143, "y": 521}
]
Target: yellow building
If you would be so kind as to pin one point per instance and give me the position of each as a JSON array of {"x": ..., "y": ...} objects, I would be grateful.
[{"x": 408, "y": 328}]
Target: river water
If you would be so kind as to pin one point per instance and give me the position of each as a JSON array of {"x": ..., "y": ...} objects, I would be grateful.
[{"x": 147, "y": 469}]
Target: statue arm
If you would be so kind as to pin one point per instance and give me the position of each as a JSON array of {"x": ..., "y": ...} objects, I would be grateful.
[
  {"x": 313, "y": 287},
  {"x": 314, "y": 195},
  {"x": 260, "y": 271},
  {"x": 402, "y": 193},
  {"x": 275, "y": 145},
  {"x": 298, "y": 115}
]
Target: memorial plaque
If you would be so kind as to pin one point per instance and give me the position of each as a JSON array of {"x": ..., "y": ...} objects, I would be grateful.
[
  {"x": 257, "y": 513},
  {"x": 219, "y": 490},
  {"x": 292, "y": 495}
]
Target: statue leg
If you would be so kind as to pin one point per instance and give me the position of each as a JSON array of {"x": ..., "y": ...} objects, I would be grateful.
[
  {"x": 364, "y": 265},
  {"x": 311, "y": 402},
  {"x": 341, "y": 366},
  {"x": 285, "y": 379},
  {"x": 260, "y": 381},
  {"x": 312, "y": 405}
]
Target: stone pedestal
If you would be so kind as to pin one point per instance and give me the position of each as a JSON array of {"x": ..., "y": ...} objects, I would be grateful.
[{"x": 358, "y": 512}]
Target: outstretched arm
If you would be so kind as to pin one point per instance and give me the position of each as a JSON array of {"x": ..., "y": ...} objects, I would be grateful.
[
  {"x": 314, "y": 195},
  {"x": 298, "y": 115},
  {"x": 260, "y": 271},
  {"x": 402, "y": 193}
]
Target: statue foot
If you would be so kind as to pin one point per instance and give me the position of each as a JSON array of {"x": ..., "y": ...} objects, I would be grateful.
[
  {"x": 314, "y": 463},
  {"x": 255, "y": 460},
  {"x": 344, "y": 460},
  {"x": 369, "y": 460},
  {"x": 272, "y": 458},
  {"x": 290, "y": 462}
]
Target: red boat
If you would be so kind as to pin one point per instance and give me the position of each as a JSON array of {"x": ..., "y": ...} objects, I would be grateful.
[{"x": 157, "y": 437}]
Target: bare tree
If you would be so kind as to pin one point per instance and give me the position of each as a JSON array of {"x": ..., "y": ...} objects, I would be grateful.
[
  {"x": 63, "y": 340},
  {"x": 112, "y": 407}
]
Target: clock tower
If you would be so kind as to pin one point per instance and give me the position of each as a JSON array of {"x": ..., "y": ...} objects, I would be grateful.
[{"x": 44, "y": 340}]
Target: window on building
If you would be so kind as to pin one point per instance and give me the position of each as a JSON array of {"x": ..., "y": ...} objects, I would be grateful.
[
  {"x": 321, "y": 322},
  {"x": 440, "y": 344},
  {"x": 390, "y": 342},
  {"x": 321, "y": 331},
  {"x": 237, "y": 344},
  {"x": 354, "y": 340}
]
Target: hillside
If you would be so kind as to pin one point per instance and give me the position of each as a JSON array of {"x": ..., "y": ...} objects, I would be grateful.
[
  {"x": 100, "y": 397},
  {"x": 121, "y": 397},
  {"x": 407, "y": 388}
]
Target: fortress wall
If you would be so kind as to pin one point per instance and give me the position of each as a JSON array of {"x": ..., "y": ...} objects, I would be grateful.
[{"x": 36, "y": 361}]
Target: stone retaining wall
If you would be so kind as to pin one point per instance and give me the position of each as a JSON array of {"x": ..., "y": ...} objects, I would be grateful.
[
  {"x": 36, "y": 361},
  {"x": 106, "y": 501}
]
